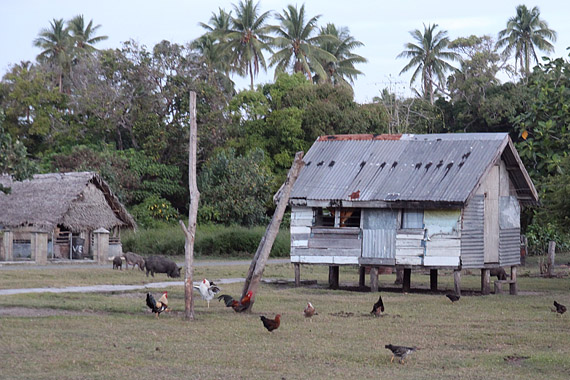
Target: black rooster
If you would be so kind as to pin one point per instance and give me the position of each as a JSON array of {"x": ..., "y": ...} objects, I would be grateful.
[{"x": 378, "y": 307}]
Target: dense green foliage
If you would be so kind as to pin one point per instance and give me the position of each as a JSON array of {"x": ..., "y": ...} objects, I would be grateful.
[{"x": 211, "y": 240}]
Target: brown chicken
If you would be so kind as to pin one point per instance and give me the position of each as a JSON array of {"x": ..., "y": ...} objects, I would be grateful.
[
  {"x": 309, "y": 311},
  {"x": 159, "y": 306},
  {"x": 271, "y": 324},
  {"x": 238, "y": 306}
]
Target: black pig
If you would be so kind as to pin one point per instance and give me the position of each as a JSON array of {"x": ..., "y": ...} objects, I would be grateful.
[{"x": 159, "y": 264}]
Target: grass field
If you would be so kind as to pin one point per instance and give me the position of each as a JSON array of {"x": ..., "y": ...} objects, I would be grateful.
[{"x": 113, "y": 335}]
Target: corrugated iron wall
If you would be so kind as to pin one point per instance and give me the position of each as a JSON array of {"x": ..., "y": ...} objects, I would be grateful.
[
  {"x": 509, "y": 231},
  {"x": 472, "y": 233}
]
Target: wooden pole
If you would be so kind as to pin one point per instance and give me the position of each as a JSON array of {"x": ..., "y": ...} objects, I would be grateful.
[
  {"x": 407, "y": 284},
  {"x": 433, "y": 280},
  {"x": 457, "y": 281},
  {"x": 373, "y": 279},
  {"x": 551, "y": 254},
  {"x": 190, "y": 232},
  {"x": 485, "y": 281},
  {"x": 513, "y": 287},
  {"x": 361, "y": 277},
  {"x": 262, "y": 254},
  {"x": 297, "y": 274},
  {"x": 333, "y": 277}
]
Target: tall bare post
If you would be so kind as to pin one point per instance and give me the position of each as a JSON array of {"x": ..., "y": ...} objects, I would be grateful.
[
  {"x": 262, "y": 254},
  {"x": 190, "y": 232},
  {"x": 550, "y": 262}
]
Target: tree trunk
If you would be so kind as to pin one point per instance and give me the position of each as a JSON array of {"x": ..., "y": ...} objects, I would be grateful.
[
  {"x": 190, "y": 232},
  {"x": 261, "y": 255}
]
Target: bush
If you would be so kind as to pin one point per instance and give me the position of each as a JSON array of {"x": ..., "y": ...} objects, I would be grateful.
[
  {"x": 540, "y": 235},
  {"x": 211, "y": 240}
]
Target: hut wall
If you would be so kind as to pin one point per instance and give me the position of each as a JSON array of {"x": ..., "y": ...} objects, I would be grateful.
[
  {"x": 472, "y": 233},
  {"x": 322, "y": 245},
  {"x": 409, "y": 246},
  {"x": 509, "y": 231},
  {"x": 443, "y": 239},
  {"x": 379, "y": 228}
]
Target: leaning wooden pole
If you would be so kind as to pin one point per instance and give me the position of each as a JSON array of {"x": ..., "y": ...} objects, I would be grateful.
[
  {"x": 190, "y": 232},
  {"x": 262, "y": 254}
]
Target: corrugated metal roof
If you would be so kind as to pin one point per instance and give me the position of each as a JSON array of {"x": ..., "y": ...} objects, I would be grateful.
[{"x": 406, "y": 168}]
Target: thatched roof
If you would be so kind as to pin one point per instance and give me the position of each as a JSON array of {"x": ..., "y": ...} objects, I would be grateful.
[{"x": 78, "y": 201}]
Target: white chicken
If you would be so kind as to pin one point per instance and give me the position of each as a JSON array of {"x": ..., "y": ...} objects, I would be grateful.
[{"x": 208, "y": 290}]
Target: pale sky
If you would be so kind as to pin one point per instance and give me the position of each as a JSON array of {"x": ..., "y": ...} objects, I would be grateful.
[{"x": 383, "y": 27}]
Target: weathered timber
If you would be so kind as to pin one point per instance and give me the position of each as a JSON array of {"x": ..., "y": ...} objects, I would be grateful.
[
  {"x": 485, "y": 281},
  {"x": 406, "y": 286},
  {"x": 457, "y": 281},
  {"x": 334, "y": 276},
  {"x": 190, "y": 232},
  {"x": 257, "y": 265},
  {"x": 297, "y": 274},
  {"x": 433, "y": 280},
  {"x": 374, "y": 279},
  {"x": 513, "y": 287},
  {"x": 361, "y": 277},
  {"x": 551, "y": 255}
]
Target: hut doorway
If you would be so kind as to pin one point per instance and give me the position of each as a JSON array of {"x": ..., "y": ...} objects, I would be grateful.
[{"x": 379, "y": 234}]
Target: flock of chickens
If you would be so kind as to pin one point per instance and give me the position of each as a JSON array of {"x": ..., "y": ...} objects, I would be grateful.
[{"x": 208, "y": 291}]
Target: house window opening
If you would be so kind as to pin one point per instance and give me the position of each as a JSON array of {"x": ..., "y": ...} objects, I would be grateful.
[
  {"x": 22, "y": 248},
  {"x": 324, "y": 217},
  {"x": 412, "y": 218}
]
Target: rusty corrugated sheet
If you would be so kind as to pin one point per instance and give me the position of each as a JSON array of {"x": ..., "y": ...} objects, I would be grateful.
[{"x": 405, "y": 168}]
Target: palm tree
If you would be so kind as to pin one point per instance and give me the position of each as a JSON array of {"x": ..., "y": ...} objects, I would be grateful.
[
  {"x": 428, "y": 56},
  {"x": 341, "y": 71},
  {"x": 82, "y": 35},
  {"x": 299, "y": 48},
  {"x": 211, "y": 45},
  {"x": 523, "y": 33},
  {"x": 56, "y": 44},
  {"x": 247, "y": 38}
]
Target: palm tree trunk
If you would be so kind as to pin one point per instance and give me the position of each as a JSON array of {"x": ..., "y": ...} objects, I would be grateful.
[{"x": 251, "y": 74}]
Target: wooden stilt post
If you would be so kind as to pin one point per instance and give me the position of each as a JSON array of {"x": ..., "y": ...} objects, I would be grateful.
[
  {"x": 333, "y": 277},
  {"x": 433, "y": 280},
  {"x": 457, "y": 281},
  {"x": 399, "y": 276},
  {"x": 485, "y": 281},
  {"x": 361, "y": 277},
  {"x": 297, "y": 274},
  {"x": 513, "y": 288},
  {"x": 407, "y": 280},
  {"x": 374, "y": 279}
]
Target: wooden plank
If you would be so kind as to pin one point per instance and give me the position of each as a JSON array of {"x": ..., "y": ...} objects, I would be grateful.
[
  {"x": 294, "y": 230},
  {"x": 409, "y": 252},
  {"x": 300, "y": 243},
  {"x": 376, "y": 261},
  {"x": 339, "y": 231},
  {"x": 408, "y": 243},
  {"x": 408, "y": 260},
  {"x": 334, "y": 243},
  {"x": 441, "y": 261},
  {"x": 337, "y": 260},
  {"x": 297, "y": 274}
]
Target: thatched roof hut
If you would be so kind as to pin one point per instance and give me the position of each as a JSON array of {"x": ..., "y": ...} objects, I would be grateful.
[{"x": 80, "y": 201}]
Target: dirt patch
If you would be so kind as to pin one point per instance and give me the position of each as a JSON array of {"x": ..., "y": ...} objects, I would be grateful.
[
  {"x": 29, "y": 312},
  {"x": 515, "y": 359}
]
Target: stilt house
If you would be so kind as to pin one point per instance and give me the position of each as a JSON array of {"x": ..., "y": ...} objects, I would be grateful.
[
  {"x": 65, "y": 216},
  {"x": 441, "y": 201}
]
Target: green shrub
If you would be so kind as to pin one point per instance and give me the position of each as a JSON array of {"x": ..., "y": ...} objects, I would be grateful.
[
  {"x": 211, "y": 241},
  {"x": 154, "y": 211}
]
